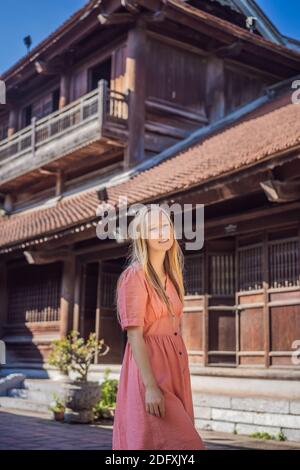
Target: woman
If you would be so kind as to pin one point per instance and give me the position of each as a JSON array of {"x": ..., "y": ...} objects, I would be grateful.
[{"x": 154, "y": 407}]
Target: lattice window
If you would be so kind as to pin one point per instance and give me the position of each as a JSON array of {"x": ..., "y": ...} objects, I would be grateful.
[
  {"x": 34, "y": 293},
  {"x": 222, "y": 280},
  {"x": 193, "y": 277},
  {"x": 284, "y": 263},
  {"x": 250, "y": 268},
  {"x": 108, "y": 287}
]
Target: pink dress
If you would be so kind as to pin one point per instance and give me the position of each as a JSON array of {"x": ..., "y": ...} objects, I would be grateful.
[{"x": 134, "y": 428}]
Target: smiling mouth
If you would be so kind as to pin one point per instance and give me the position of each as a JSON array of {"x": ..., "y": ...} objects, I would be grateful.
[{"x": 163, "y": 241}]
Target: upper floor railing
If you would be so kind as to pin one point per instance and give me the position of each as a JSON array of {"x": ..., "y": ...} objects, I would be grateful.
[{"x": 102, "y": 104}]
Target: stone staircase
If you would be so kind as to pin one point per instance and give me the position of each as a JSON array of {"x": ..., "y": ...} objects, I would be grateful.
[{"x": 31, "y": 395}]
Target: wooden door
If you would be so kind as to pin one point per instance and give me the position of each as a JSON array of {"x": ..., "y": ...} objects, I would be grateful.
[
  {"x": 221, "y": 311},
  {"x": 107, "y": 326}
]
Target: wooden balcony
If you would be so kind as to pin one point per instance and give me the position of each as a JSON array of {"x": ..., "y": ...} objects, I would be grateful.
[{"x": 97, "y": 116}]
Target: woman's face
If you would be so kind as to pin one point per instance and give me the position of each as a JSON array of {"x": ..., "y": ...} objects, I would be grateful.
[{"x": 159, "y": 233}]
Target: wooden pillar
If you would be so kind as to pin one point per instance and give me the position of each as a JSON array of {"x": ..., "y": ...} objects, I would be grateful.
[
  {"x": 98, "y": 308},
  {"x": 77, "y": 297},
  {"x": 82, "y": 299},
  {"x": 59, "y": 186},
  {"x": 3, "y": 298},
  {"x": 12, "y": 120},
  {"x": 64, "y": 98},
  {"x": 266, "y": 308},
  {"x": 136, "y": 83},
  {"x": 67, "y": 296},
  {"x": 205, "y": 338},
  {"x": 215, "y": 89}
]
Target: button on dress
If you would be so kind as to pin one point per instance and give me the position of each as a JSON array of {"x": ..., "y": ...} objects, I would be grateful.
[{"x": 134, "y": 428}]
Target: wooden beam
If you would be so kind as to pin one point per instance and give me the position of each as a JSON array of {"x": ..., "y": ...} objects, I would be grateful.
[
  {"x": 131, "y": 6},
  {"x": 107, "y": 251},
  {"x": 115, "y": 18},
  {"x": 232, "y": 50},
  {"x": 57, "y": 66},
  {"x": 281, "y": 191},
  {"x": 43, "y": 257}
]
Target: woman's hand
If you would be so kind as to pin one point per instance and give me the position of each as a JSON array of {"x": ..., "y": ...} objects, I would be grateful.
[
  {"x": 154, "y": 397},
  {"x": 155, "y": 401}
]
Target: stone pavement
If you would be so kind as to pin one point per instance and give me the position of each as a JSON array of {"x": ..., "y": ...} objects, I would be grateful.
[{"x": 32, "y": 431}]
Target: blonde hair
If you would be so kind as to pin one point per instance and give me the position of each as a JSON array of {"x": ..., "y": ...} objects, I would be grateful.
[{"x": 173, "y": 262}]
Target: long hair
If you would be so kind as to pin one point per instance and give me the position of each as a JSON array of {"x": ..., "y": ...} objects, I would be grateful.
[{"x": 138, "y": 252}]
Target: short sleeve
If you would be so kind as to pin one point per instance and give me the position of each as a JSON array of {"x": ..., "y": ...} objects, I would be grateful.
[{"x": 132, "y": 298}]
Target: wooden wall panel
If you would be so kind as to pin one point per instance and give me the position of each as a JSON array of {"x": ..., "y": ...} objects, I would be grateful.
[
  {"x": 252, "y": 360},
  {"x": 180, "y": 77},
  {"x": 251, "y": 330},
  {"x": 251, "y": 299},
  {"x": 79, "y": 83},
  {"x": 240, "y": 87},
  {"x": 192, "y": 326},
  {"x": 285, "y": 327},
  {"x": 284, "y": 295},
  {"x": 221, "y": 331},
  {"x": 283, "y": 361}
]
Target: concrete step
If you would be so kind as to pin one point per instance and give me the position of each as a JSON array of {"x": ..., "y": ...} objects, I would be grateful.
[
  {"x": 34, "y": 395},
  {"x": 43, "y": 385},
  {"x": 24, "y": 404},
  {"x": 18, "y": 393},
  {"x": 41, "y": 396}
]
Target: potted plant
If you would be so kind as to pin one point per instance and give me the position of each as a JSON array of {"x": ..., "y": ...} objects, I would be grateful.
[
  {"x": 105, "y": 407},
  {"x": 72, "y": 354},
  {"x": 57, "y": 407}
]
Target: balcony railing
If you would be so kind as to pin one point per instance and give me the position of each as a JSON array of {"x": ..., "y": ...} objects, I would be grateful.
[{"x": 102, "y": 104}]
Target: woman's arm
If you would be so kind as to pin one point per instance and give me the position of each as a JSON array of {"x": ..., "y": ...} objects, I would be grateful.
[{"x": 154, "y": 397}]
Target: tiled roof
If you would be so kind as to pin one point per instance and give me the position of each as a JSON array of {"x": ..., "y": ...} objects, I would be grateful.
[
  {"x": 264, "y": 132},
  {"x": 226, "y": 27},
  {"x": 208, "y": 18}
]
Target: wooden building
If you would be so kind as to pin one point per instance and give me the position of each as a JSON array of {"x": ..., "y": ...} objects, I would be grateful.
[{"x": 159, "y": 101}]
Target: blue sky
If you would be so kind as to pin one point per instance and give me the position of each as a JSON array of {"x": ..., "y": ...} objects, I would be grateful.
[{"x": 39, "y": 18}]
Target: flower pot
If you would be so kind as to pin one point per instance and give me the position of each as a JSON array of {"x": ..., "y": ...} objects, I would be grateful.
[
  {"x": 80, "y": 398},
  {"x": 58, "y": 415},
  {"x": 108, "y": 412}
]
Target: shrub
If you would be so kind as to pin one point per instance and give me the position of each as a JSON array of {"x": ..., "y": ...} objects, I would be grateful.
[{"x": 73, "y": 353}]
